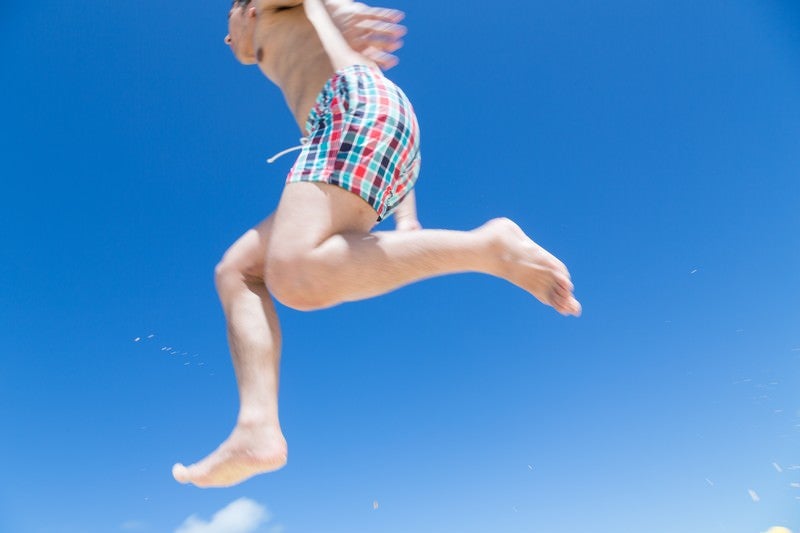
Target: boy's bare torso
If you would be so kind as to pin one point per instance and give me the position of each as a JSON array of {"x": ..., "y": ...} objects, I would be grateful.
[{"x": 299, "y": 49}]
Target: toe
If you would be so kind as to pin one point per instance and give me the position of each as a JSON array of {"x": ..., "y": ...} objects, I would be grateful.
[
  {"x": 560, "y": 303},
  {"x": 565, "y": 283},
  {"x": 180, "y": 473},
  {"x": 566, "y": 304},
  {"x": 563, "y": 292}
]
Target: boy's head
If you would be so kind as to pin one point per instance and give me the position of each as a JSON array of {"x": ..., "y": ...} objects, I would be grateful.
[
  {"x": 241, "y": 25},
  {"x": 241, "y": 3}
]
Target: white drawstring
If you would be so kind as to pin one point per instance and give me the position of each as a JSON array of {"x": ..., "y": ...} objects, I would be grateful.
[{"x": 303, "y": 142}]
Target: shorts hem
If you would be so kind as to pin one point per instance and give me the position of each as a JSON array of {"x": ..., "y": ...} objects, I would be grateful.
[{"x": 381, "y": 211}]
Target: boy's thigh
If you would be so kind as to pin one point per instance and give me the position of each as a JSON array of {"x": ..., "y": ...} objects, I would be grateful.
[{"x": 309, "y": 212}]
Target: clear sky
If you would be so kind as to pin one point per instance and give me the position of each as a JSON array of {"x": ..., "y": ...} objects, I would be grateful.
[{"x": 654, "y": 146}]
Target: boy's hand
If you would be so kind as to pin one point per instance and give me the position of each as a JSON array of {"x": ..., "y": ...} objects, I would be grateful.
[
  {"x": 372, "y": 31},
  {"x": 407, "y": 224},
  {"x": 405, "y": 216}
]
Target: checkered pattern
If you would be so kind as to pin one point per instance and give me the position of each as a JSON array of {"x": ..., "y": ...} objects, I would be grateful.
[{"x": 363, "y": 137}]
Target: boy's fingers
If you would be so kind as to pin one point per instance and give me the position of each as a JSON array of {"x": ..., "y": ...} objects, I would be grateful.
[
  {"x": 362, "y": 40},
  {"x": 361, "y": 43},
  {"x": 382, "y": 13},
  {"x": 374, "y": 32},
  {"x": 383, "y": 46},
  {"x": 380, "y": 28},
  {"x": 384, "y": 60}
]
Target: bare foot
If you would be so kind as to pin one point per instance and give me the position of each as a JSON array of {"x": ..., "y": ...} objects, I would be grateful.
[
  {"x": 529, "y": 266},
  {"x": 250, "y": 450}
]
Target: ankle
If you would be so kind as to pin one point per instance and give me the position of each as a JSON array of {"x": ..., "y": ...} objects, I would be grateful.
[
  {"x": 252, "y": 420},
  {"x": 491, "y": 249}
]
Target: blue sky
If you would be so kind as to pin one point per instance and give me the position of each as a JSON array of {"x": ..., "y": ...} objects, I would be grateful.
[{"x": 653, "y": 146}]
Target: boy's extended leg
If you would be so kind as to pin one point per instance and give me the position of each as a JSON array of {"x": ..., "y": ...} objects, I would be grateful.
[
  {"x": 321, "y": 253},
  {"x": 256, "y": 444}
]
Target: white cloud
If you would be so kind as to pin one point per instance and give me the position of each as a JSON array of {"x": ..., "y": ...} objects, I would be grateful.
[{"x": 242, "y": 516}]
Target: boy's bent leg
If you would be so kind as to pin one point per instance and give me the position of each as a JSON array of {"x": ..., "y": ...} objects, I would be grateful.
[
  {"x": 321, "y": 253},
  {"x": 256, "y": 444}
]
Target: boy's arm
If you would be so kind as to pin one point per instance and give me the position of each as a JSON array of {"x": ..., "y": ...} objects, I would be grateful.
[
  {"x": 371, "y": 31},
  {"x": 405, "y": 215}
]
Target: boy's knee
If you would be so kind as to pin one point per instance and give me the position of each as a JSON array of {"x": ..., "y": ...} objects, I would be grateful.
[
  {"x": 231, "y": 272},
  {"x": 226, "y": 276},
  {"x": 294, "y": 281}
]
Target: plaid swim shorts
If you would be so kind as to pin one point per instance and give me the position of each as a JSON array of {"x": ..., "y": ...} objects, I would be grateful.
[{"x": 363, "y": 136}]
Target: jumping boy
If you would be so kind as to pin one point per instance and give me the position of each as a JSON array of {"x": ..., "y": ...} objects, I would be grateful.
[{"x": 358, "y": 164}]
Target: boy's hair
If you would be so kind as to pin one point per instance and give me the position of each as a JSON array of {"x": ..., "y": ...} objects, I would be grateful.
[{"x": 242, "y": 3}]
